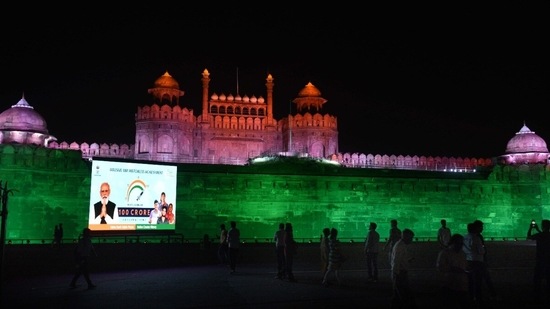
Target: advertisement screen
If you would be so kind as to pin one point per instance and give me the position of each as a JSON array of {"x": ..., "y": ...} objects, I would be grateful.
[{"x": 130, "y": 196}]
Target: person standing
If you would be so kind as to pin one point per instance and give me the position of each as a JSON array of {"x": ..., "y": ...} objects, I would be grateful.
[
  {"x": 290, "y": 251},
  {"x": 324, "y": 249},
  {"x": 60, "y": 235},
  {"x": 401, "y": 257},
  {"x": 279, "y": 239},
  {"x": 443, "y": 234},
  {"x": 452, "y": 268},
  {"x": 372, "y": 243},
  {"x": 335, "y": 258},
  {"x": 475, "y": 252},
  {"x": 542, "y": 262},
  {"x": 83, "y": 250},
  {"x": 393, "y": 238},
  {"x": 55, "y": 241},
  {"x": 486, "y": 274},
  {"x": 223, "y": 248},
  {"x": 234, "y": 244}
]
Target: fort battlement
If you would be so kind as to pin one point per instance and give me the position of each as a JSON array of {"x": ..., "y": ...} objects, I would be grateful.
[
  {"x": 351, "y": 160},
  {"x": 54, "y": 184}
]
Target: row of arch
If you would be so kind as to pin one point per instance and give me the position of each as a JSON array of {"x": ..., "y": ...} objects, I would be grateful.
[
  {"x": 230, "y": 110},
  {"x": 410, "y": 162},
  {"x": 354, "y": 160}
]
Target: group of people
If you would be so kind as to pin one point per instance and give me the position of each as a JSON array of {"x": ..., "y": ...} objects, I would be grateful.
[
  {"x": 463, "y": 264},
  {"x": 332, "y": 258},
  {"x": 399, "y": 258},
  {"x": 229, "y": 246},
  {"x": 285, "y": 250},
  {"x": 163, "y": 212},
  {"x": 58, "y": 236},
  {"x": 105, "y": 210}
]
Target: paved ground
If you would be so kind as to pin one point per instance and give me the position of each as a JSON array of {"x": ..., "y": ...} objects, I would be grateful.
[{"x": 253, "y": 286}]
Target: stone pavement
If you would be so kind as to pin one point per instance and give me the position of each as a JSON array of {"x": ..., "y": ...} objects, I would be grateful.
[{"x": 210, "y": 285}]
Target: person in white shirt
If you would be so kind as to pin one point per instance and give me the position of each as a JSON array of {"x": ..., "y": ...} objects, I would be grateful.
[
  {"x": 401, "y": 258},
  {"x": 155, "y": 213}
]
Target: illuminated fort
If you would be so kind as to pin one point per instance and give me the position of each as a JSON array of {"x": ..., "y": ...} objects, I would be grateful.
[{"x": 218, "y": 180}]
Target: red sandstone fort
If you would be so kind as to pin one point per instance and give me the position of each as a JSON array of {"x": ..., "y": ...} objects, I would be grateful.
[{"x": 234, "y": 130}]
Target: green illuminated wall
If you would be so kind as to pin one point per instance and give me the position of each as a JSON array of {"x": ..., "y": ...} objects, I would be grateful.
[{"x": 52, "y": 186}]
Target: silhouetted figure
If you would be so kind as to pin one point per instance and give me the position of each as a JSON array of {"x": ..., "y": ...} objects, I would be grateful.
[
  {"x": 542, "y": 262},
  {"x": 82, "y": 252},
  {"x": 372, "y": 244},
  {"x": 393, "y": 237},
  {"x": 443, "y": 234},
  {"x": 223, "y": 248},
  {"x": 403, "y": 296},
  {"x": 290, "y": 252},
  {"x": 486, "y": 275},
  {"x": 206, "y": 242},
  {"x": 452, "y": 268},
  {"x": 279, "y": 239},
  {"x": 324, "y": 246},
  {"x": 234, "y": 244},
  {"x": 475, "y": 255},
  {"x": 60, "y": 234},
  {"x": 55, "y": 242},
  {"x": 335, "y": 258}
]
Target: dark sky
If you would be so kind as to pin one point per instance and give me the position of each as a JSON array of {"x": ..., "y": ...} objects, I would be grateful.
[{"x": 423, "y": 81}]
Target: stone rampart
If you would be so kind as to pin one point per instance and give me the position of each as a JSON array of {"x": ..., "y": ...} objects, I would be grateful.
[{"x": 52, "y": 186}]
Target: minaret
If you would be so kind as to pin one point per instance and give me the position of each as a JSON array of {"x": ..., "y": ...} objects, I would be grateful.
[
  {"x": 269, "y": 85},
  {"x": 205, "y": 81}
]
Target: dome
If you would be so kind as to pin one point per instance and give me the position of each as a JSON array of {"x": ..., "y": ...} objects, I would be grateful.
[
  {"x": 166, "y": 81},
  {"x": 309, "y": 91},
  {"x": 22, "y": 117},
  {"x": 526, "y": 141},
  {"x": 309, "y": 97}
]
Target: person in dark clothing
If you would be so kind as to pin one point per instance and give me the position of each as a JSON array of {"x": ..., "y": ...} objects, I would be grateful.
[
  {"x": 372, "y": 244},
  {"x": 234, "y": 243},
  {"x": 290, "y": 251},
  {"x": 279, "y": 239},
  {"x": 324, "y": 246},
  {"x": 83, "y": 250},
  {"x": 542, "y": 263},
  {"x": 223, "y": 248}
]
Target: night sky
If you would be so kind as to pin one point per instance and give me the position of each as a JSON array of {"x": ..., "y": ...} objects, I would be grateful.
[{"x": 436, "y": 82}]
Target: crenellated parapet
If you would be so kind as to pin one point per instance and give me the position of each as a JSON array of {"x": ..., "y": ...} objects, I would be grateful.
[
  {"x": 38, "y": 157},
  {"x": 165, "y": 112},
  {"x": 360, "y": 160},
  {"x": 104, "y": 150}
]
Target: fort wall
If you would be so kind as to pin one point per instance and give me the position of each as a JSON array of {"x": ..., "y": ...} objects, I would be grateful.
[{"x": 50, "y": 186}]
